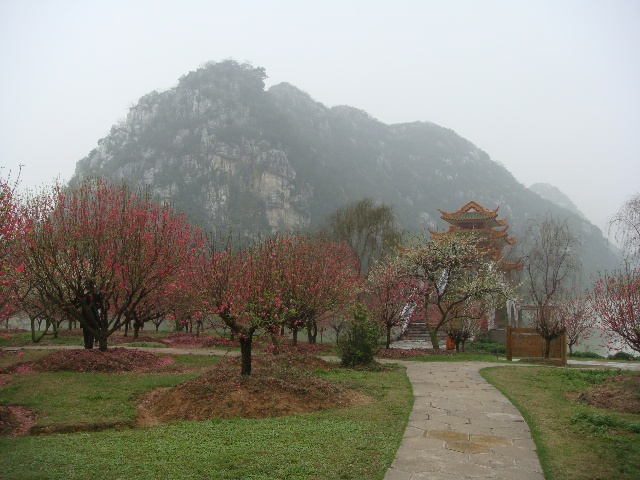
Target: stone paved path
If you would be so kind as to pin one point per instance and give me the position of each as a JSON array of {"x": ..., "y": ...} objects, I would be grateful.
[{"x": 462, "y": 427}]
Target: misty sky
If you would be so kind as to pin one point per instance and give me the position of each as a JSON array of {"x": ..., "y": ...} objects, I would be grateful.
[{"x": 549, "y": 89}]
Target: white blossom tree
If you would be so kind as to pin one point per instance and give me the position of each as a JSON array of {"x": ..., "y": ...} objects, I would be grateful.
[{"x": 453, "y": 278}]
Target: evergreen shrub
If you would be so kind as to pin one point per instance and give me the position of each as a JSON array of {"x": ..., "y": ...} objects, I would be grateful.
[{"x": 358, "y": 344}]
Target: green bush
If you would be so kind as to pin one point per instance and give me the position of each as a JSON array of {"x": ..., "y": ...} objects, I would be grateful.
[
  {"x": 484, "y": 346},
  {"x": 622, "y": 356},
  {"x": 358, "y": 345},
  {"x": 585, "y": 355}
]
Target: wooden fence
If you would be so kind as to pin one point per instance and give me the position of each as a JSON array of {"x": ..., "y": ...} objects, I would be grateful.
[{"x": 526, "y": 342}]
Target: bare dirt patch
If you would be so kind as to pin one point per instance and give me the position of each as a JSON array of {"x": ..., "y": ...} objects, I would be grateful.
[
  {"x": 400, "y": 353},
  {"x": 621, "y": 393},
  {"x": 114, "y": 360},
  {"x": 278, "y": 385},
  {"x": 15, "y": 420}
]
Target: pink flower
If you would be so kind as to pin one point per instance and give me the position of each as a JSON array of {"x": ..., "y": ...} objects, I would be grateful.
[{"x": 20, "y": 269}]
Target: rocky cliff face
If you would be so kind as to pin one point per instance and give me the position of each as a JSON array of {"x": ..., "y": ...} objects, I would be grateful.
[
  {"x": 237, "y": 157},
  {"x": 186, "y": 145}
]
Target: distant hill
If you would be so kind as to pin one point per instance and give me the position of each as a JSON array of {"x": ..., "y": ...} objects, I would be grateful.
[
  {"x": 236, "y": 156},
  {"x": 556, "y": 196}
]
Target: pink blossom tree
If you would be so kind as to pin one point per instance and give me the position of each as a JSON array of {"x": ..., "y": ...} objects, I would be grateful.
[
  {"x": 242, "y": 287},
  {"x": 616, "y": 301},
  {"x": 273, "y": 283},
  {"x": 10, "y": 232},
  {"x": 320, "y": 279},
  {"x": 576, "y": 316},
  {"x": 108, "y": 236},
  {"x": 387, "y": 292}
]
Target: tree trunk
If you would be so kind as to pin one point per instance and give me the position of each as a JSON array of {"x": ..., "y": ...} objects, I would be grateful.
[
  {"x": 102, "y": 343},
  {"x": 294, "y": 340},
  {"x": 273, "y": 333},
  {"x": 547, "y": 347},
  {"x": 245, "y": 353},
  {"x": 34, "y": 337},
  {"x": 433, "y": 334},
  {"x": 389, "y": 327},
  {"x": 312, "y": 331}
]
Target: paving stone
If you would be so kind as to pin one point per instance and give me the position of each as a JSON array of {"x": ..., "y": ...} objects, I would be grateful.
[
  {"x": 491, "y": 440},
  {"x": 462, "y": 427},
  {"x": 515, "y": 452},
  {"x": 494, "y": 461},
  {"x": 447, "y": 435},
  {"x": 471, "y": 428},
  {"x": 529, "y": 464},
  {"x": 413, "y": 432},
  {"x": 417, "y": 465},
  {"x": 393, "y": 474},
  {"x": 469, "y": 470},
  {"x": 510, "y": 417},
  {"x": 449, "y": 419},
  {"x": 516, "y": 474},
  {"x": 468, "y": 447},
  {"x": 429, "y": 425},
  {"x": 423, "y": 443},
  {"x": 524, "y": 443}
]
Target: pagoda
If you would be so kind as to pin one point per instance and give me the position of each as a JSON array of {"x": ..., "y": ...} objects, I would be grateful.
[
  {"x": 492, "y": 236},
  {"x": 490, "y": 231}
]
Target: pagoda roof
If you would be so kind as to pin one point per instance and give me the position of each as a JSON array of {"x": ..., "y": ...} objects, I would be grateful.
[{"x": 472, "y": 211}]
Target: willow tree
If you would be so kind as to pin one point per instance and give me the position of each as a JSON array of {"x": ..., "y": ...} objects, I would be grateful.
[
  {"x": 625, "y": 226},
  {"x": 368, "y": 229}
]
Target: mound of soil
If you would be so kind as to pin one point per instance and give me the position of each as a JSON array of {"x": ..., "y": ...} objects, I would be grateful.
[
  {"x": 278, "y": 385},
  {"x": 114, "y": 360},
  {"x": 621, "y": 393}
]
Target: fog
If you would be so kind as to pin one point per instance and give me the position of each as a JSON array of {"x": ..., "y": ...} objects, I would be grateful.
[{"x": 548, "y": 89}]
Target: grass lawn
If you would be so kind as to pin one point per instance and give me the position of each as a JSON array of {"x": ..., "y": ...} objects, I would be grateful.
[
  {"x": 574, "y": 440},
  {"x": 352, "y": 443}
]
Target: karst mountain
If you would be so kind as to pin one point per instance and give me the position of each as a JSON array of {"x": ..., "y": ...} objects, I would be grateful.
[{"x": 238, "y": 157}]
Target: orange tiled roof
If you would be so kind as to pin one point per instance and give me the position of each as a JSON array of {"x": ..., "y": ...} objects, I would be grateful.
[{"x": 471, "y": 211}]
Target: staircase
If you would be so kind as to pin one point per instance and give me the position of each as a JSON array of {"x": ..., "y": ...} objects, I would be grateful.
[{"x": 417, "y": 331}]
